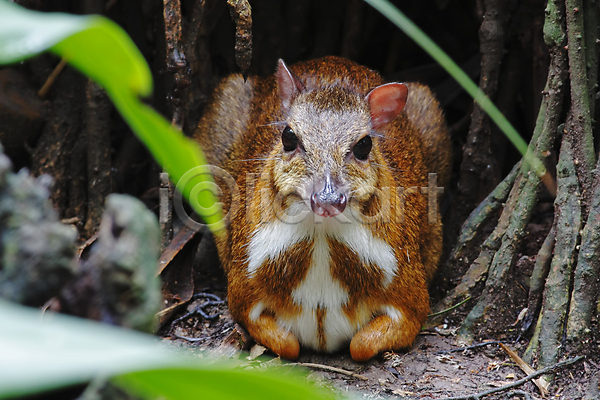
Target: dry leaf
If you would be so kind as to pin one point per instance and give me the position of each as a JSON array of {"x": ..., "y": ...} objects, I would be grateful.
[
  {"x": 446, "y": 359},
  {"x": 256, "y": 351},
  {"x": 402, "y": 393},
  {"x": 540, "y": 382}
]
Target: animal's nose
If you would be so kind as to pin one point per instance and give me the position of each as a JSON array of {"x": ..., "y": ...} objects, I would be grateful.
[{"x": 329, "y": 201}]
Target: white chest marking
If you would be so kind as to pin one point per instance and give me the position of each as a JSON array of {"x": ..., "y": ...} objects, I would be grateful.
[
  {"x": 369, "y": 249},
  {"x": 270, "y": 241},
  {"x": 319, "y": 290}
]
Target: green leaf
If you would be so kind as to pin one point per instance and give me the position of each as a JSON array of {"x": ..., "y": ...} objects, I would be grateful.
[
  {"x": 231, "y": 384},
  {"x": 102, "y": 50},
  {"x": 25, "y": 33},
  {"x": 42, "y": 352}
]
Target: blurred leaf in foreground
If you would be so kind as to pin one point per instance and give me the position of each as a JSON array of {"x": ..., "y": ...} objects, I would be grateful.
[{"x": 102, "y": 50}]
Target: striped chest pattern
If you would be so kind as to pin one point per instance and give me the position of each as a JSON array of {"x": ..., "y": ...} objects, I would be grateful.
[{"x": 332, "y": 277}]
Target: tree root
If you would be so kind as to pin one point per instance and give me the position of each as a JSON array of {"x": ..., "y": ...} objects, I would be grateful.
[
  {"x": 571, "y": 289},
  {"x": 498, "y": 253},
  {"x": 523, "y": 197},
  {"x": 580, "y": 122},
  {"x": 479, "y": 170},
  {"x": 568, "y": 224},
  {"x": 566, "y": 267},
  {"x": 538, "y": 279},
  {"x": 585, "y": 283},
  {"x": 471, "y": 227}
]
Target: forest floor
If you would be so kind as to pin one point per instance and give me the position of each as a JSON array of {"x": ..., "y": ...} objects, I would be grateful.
[{"x": 436, "y": 367}]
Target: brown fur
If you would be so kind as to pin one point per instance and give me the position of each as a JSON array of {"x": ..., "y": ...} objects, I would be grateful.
[{"x": 241, "y": 133}]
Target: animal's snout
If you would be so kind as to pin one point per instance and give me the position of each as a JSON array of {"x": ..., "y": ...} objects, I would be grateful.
[{"x": 329, "y": 201}]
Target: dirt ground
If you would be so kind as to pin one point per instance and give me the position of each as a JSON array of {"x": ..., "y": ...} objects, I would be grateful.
[{"x": 436, "y": 367}]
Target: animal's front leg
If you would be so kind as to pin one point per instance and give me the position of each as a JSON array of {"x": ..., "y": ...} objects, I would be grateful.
[
  {"x": 267, "y": 332},
  {"x": 383, "y": 333}
]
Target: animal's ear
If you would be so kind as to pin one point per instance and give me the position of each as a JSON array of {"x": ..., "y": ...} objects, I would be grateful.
[
  {"x": 288, "y": 85},
  {"x": 386, "y": 102}
]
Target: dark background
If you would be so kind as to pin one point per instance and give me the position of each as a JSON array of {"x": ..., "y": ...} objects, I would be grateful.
[{"x": 53, "y": 140}]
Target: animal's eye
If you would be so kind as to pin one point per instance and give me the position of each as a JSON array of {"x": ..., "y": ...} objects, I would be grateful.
[
  {"x": 362, "y": 148},
  {"x": 289, "y": 139}
]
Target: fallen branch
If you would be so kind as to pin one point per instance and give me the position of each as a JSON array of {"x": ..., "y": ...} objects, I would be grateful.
[
  {"x": 478, "y": 396},
  {"x": 331, "y": 369}
]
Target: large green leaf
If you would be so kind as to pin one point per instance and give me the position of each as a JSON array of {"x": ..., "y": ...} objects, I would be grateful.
[
  {"x": 102, "y": 50},
  {"x": 41, "y": 352},
  {"x": 177, "y": 383}
]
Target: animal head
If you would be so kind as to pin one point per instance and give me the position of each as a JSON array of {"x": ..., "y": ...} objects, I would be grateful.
[{"x": 328, "y": 152}]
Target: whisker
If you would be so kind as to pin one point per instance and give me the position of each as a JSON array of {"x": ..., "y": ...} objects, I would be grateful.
[
  {"x": 275, "y": 123},
  {"x": 252, "y": 159},
  {"x": 388, "y": 167},
  {"x": 383, "y": 137}
]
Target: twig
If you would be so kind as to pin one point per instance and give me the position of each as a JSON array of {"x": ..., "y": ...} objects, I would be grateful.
[
  {"x": 164, "y": 312},
  {"x": 199, "y": 310},
  {"x": 449, "y": 309},
  {"x": 190, "y": 339},
  {"x": 514, "y": 393},
  {"x": 475, "y": 346},
  {"x": 331, "y": 369},
  {"x": 478, "y": 396},
  {"x": 50, "y": 81}
]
